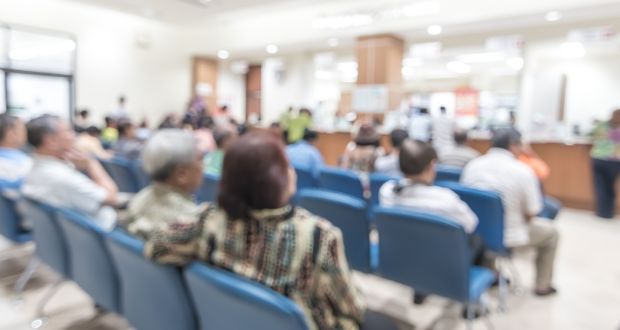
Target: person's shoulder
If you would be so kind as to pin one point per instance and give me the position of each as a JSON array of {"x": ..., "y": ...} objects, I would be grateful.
[{"x": 313, "y": 222}]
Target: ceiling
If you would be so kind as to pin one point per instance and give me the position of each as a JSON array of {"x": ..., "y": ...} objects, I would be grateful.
[{"x": 247, "y": 26}]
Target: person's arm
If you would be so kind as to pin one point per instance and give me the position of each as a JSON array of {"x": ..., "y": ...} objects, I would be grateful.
[
  {"x": 336, "y": 283},
  {"x": 532, "y": 196},
  {"x": 95, "y": 172},
  {"x": 466, "y": 216},
  {"x": 176, "y": 244}
]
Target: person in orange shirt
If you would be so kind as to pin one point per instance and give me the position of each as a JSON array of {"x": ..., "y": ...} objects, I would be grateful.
[{"x": 541, "y": 169}]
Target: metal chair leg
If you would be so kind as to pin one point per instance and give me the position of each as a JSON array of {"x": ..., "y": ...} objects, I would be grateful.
[
  {"x": 470, "y": 316},
  {"x": 23, "y": 279},
  {"x": 517, "y": 287},
  {"x": 40, "y": 318},
  {"x": 503, "y": 286}
]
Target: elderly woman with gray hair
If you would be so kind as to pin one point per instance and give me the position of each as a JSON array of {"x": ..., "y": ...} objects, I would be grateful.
[{"x": 174, "y": 164}]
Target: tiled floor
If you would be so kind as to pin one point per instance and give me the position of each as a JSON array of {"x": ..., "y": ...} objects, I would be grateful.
[{"x": 588, "y": 277}]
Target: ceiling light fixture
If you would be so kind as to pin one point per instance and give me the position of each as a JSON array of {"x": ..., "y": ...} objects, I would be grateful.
[
  {"x": 272, "y": 49},
  {"x": 434, "y": 30},
  {"x": 223, "y": 54},
  {"x": 553, "y": 16}
]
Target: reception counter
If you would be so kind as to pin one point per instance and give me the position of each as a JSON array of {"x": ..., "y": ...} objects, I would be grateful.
[{"x": 570, "y": 180}]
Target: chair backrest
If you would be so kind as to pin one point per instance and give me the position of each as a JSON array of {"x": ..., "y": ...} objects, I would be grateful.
[
  {"x": 10, "y": 222},
  {"x": 340, "y": 180},
  {"x": 424, "y": 251},
  {"x": 143, "y": 179},
  {"x": 448, "y": 173},
  {"x": 347, "y": 213},
  {"x": 153, "y": 296},
  {"x": 123, "y": 173},
  {"x": 305, "y": 179},
  {"x": 376, "y": 181},
  {"x": 489, "y": 208},
  {"x": 92, "y": 267},
  {"x": 225, "y": 300},
  {"x": 209, "y": 189},
  {"x": 50, "y": 241}
]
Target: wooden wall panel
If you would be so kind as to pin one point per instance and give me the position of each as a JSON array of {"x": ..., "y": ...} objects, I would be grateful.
[{"x": 204, "y": 70}]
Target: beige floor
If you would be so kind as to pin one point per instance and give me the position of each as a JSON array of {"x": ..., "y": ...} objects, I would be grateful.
[{"x": 588, "y": 277}]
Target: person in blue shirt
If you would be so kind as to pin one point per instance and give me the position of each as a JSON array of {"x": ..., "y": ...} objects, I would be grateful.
[
  {"x": 304, "y": 155},
  {"x": 14, "y": 163}
]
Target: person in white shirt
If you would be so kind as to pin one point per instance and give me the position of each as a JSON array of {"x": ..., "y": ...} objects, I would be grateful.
[
  {"x": 57, "y": 175},
  {"x": 420, "y": 126},
  {"x": 459, "y": 154},
  {"x": 388, "y": 164},
  {"x": 499, "y": 170},
  {"x": 416, "y": 190},
  {"x": 443, "y": 131},
  {"x": 14, "y": 163}
]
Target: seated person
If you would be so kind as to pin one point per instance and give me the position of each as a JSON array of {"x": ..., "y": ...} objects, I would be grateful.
[
  {"x": 128, "y": 145},
  {"x": 213, "y": 161},
  {"x": 14, "y": 163},
  {"x": 89, "y": 143},
  {"x": 360, "y": 155},
  {"x": 174, "y": 164},
  {"x": 57, "y": 176},
  {"x": 303, "y": 154},
  {"x": 417, "y": 162},
  {"x": 254, "y": 232},
  {"x": 499, "y": 170},
  {"x": 459, "y": 154},
  {"x": 389, "y": 163},
  {"x": 109, "y": 135}
]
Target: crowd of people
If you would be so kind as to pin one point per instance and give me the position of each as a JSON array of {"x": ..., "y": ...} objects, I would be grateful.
[{"x": 252, "y": 229}]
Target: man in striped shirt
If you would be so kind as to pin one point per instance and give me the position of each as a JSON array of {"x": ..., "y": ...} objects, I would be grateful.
[{"x": 459, "y": 154}]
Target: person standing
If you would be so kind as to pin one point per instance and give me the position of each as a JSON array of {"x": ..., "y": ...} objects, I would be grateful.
[
  {"x": 606, "y": 164},
  {"x": 420, "y": 126},
  {"x": 443, "y": 131}
]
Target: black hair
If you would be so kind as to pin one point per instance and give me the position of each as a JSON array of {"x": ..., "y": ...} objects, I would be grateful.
[
  {"x": 398, "y": 136},
  {"x": 505, "y": 138},
  {"x": 415, "y": 157},
  {"x": 310, "y": 135},
  {"x": 460, "y": 137}
]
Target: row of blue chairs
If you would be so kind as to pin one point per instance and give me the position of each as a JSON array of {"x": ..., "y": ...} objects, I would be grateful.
[{"x": 111, "y": 269}]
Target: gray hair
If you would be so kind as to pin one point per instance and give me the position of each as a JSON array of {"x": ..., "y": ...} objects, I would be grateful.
[
  {"x": 167, "y": 149},
  {"x": 41, "y": 127},
  {"x": 6, "y": 123}
]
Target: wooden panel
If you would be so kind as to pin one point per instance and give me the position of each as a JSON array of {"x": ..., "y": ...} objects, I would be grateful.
[
  {"x": 253, "y": 87},
  {"x": 204, "y": 70}
]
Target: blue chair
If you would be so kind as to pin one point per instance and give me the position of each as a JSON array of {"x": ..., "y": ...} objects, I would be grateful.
[
  {"x": 448, "y": 173},
  {"x": 306, "y": 179},
  {"x": 347, "y": 213},
  {"x": 91, "y": 264},
  {"x": 208, "y": 191},
  {"x": 51, "y": 249},
  {"x": 123, "y": 173},
  {"x": 225, "y": 300},
  {"x": 10, "y": 222},
  {"x": 342, "y": 181},
  {"x": 376, "y": 181},
  {"x": 141, "y": 176},
  {"x": 153, "y": 296},
  {"x": 430, "y": 254}
]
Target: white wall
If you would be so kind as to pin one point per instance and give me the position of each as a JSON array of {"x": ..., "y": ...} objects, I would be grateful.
[
  {"x": 156, "y": 80},
  {"x": 231, "y": 90}
]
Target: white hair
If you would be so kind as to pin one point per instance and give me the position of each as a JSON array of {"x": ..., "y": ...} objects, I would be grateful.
[{"x": 167, "y": 149}]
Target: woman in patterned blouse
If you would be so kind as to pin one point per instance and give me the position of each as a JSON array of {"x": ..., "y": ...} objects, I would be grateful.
[{"x": 255, "y": 233}]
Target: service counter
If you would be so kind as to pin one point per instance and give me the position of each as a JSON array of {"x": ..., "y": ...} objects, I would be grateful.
[{"x": 570, "y": 180}]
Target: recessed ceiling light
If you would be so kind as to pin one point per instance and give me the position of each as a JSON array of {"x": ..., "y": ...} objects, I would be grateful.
[
  {"x": 223, "y": 54},
  {"x": 333, "y": 42},
  {"x": 272, "y": 49},
  {"x": 434, "y": 30},
  {"x": 553, "y": 16}
]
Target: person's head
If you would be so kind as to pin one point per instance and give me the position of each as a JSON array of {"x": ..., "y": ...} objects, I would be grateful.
[
  {"x": 256, "y": 175},
  {"x": 310, "y": 135},
  {"x": 443, "y": 110},
  {"x": 126, "y": 130},
  {"x": 224, "y": 108},
  {"x": 222, "y": 137},
  {"x": 424, "y": 111},
  {"x": 12, "y": 132},
  {"x": 397, "y": 137},
  {"x": 171, "y": 156},
  {"x": 615, "y": 118},
  {"x": 121, "y": 100},
  {"x": 83, "y": 113},
  {"x": 508, "y": 139},
  {"x": 460, "y": 137},
  {"x": 417, "y": 160},
  {"x": 93, "y": 131},
  {"x": 367, "y": 136},
  {"x": 305, "y": 111},
  {"x": 109, "y": 121},
  {"x": 50, "y": 135}
]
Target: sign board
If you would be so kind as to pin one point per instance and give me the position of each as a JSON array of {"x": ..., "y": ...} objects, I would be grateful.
[
  {"x": 466, "y": 102},
  {"x": 595, "y": 34},
  {"x": 370, "y": 98}
]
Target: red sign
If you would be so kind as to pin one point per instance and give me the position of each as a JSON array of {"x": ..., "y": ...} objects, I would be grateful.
[{"x": 467, "y": 102}]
